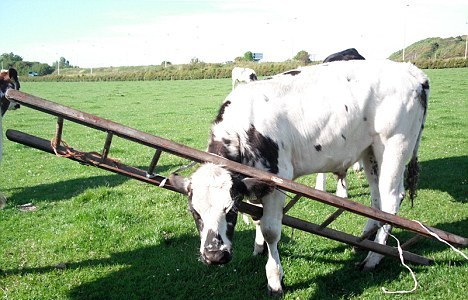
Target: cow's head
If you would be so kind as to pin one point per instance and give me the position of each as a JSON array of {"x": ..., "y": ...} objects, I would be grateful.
[
  {"x": 8, "y": 80},
  {"x": 213, "y": 193}
]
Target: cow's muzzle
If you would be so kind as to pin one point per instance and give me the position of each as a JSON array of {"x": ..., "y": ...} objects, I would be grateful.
[
  {"x": 215, "y": 252},
  {"x": 216, "y": 257}
]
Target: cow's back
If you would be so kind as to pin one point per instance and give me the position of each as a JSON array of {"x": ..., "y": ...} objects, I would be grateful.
[{"x": 323, "y": 117}]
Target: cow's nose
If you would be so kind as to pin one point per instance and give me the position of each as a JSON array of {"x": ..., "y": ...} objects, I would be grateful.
[{"x": 216, "y": 257}]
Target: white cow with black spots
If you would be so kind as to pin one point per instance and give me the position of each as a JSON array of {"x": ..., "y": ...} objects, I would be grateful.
[
  {"x": 242, "y": 75},
  {"x": 316, "y": 119}
]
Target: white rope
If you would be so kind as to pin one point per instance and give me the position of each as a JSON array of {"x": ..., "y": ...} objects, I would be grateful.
[
  {"x": 400, "y": 252},
  {"x": 445, "y": 242},
  {"x": 163, "y": 182}
]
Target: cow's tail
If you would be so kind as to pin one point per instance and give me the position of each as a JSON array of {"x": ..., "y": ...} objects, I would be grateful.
[{"x": 412, "y": 175}]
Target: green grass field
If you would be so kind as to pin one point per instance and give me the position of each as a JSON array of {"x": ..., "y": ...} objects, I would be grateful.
[{"x": 97, "y": 235}]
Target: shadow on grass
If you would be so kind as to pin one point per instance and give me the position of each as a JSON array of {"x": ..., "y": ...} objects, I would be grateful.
[
  {"x": 65, "y": 190},
  {"x": 448, "y": 175},
  {"x": 170, "y": 270},
  {"x": 62, "y": 190}
]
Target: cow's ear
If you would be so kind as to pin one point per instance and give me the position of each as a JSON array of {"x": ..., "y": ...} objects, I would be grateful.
[
  {"x": 180, "y": 183},
  {"x": 258, "y": 188}
]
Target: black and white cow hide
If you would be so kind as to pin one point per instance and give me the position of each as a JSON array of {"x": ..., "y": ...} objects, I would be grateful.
[{"x": 315, "y": 119}]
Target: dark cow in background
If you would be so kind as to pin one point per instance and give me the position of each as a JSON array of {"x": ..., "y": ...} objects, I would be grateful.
[
  {"x": 8, "y": 80},
  {"x": 348, "y": 54},
  {"x": 315, "y": 119}
]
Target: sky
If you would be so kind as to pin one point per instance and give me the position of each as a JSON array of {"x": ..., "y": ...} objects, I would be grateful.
[{"x": 103, "y": 33}]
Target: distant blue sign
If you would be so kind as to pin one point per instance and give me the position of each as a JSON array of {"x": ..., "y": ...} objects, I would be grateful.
[{"x": 257, "y": 56}]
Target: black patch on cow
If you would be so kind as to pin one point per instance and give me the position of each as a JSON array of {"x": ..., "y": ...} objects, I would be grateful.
[
  {"x": 219, "y": 117},
  {"x": 343, "y": 136},
  {"x": 292, "y": 73},
  {"x": 238, "y": 189},
  {"x": 348, "y": 54},
  {"x": 220, "y": 148},
  {"x": 268, "y": 78},
  {"x": 4, "y": 105},
  {"x": 196, "y": 216},
  {"x": 318, "y": 147},
  {"x": 365, "y": 119},
  {"x": 231, "y": 219},
  {"x": 262, "y": 149},
  {"x": 374, "y": 166},
  {"x": 423, "y": 97},
  {"x": 346, "y": 107},
  {"x": 253, "y": 77}
]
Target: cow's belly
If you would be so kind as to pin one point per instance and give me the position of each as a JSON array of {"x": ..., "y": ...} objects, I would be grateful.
[{"x": 335, "y": 156}]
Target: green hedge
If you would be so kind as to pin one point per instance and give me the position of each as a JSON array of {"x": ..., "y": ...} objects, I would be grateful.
[{"x": 206, "y": 71}]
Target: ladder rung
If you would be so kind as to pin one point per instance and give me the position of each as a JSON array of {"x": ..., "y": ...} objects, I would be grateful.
[
  {"x": 105, "y": 151},
  {"x": 58, "y": 131},
  {"x": 411, "y": 241},
  {"x": 291, "y": 203},
  {"x": 154, "y": 162},
  {"x": 332, "y": 218}
]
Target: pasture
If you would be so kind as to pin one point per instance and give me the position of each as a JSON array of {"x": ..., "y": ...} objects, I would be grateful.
[{"x": 91, "y": 234}]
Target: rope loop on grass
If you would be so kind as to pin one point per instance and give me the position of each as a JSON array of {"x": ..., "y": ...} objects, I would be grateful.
[{"x": 400, "y": 252}]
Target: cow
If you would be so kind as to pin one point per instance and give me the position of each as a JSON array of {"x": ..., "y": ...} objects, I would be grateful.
[
  {"x": 348, "y": 54},
  {"x": 242, "y": 75},
  {"x": 321, "y": 180},
  {"x": 8, "y": 80},
  {"x": 319, "y": 118}
]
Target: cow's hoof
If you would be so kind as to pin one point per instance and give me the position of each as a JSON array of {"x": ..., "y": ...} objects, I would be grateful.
[
  {"x": 275, "y": 293},
  {"x": 357, "y": 249},
  {"x": 362, "y": 266},
  {"x": 260, "y": 249}
]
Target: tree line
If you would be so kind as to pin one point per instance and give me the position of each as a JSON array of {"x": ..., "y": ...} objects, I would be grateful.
[
  {"x": 196, "y": 69},
  {"x": 11, "y": 60}
]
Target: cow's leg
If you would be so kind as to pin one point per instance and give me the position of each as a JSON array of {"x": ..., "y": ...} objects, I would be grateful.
[
  {"x": 259, "y": 245},
  {"x": 391, "y": 192},
  {"x": 270, "y": 225},
  {"x": 357, "y": 166},
  {"x": 321, "y": 181},
  {"x": 342, "y": 186},
  {"x": 371, "y": 168}
]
